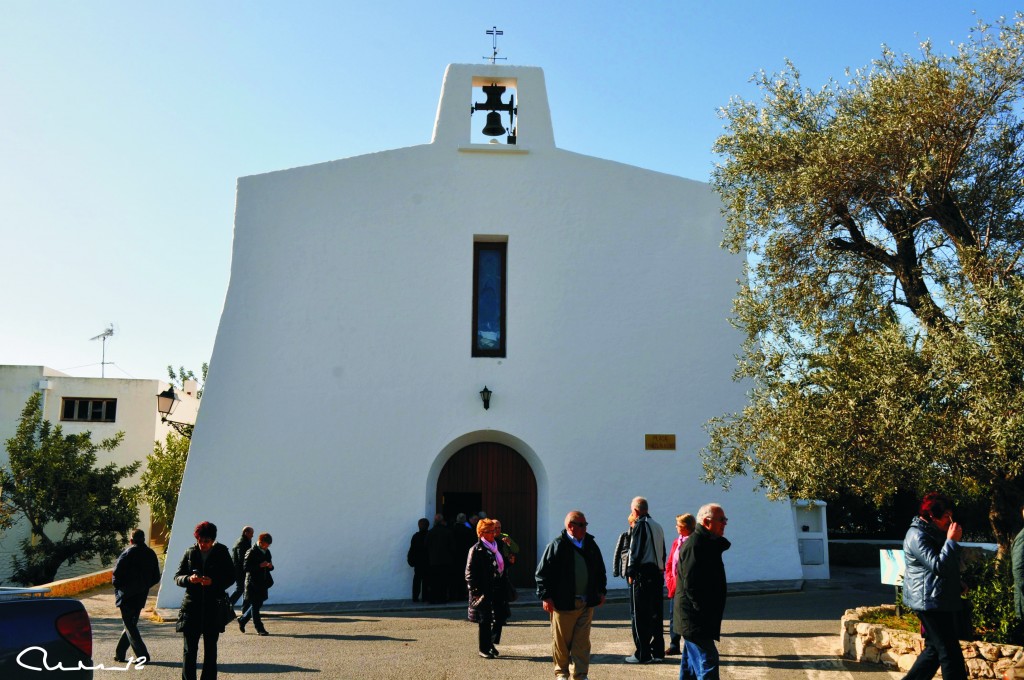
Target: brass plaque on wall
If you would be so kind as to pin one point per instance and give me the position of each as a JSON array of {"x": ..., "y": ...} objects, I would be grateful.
[{"x": 660, "y": 442}]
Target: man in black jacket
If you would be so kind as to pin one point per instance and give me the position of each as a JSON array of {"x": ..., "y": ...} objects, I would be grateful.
[
  {"x": 699, "y": 601},
  {"x": 571, "y": 581},
  {"x": 135, "y": 572},
  {"x": 242, "y": 546}
]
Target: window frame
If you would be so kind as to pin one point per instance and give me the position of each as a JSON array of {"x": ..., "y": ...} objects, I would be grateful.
[
  {"x": 501, "y": 247},
  {"x": 105, "y": 404}
]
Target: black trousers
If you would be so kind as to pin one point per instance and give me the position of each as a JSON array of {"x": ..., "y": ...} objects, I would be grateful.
[
  {"x": 188, "y": 668},
  {"x": 438, "y": 583},
  {"x": 131, "y": 609},
  {"x": 239, "y": 590},
  {"x": 419, "y": 584},
  {"x": 941, "y": 648},
  {"x": 253, "y": 613},
  {"x": 646, "y": 598},
  {"x": 489, "y": 626}
]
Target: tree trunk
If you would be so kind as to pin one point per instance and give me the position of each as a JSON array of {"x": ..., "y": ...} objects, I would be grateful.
[{"x": 1004, "y": 513}]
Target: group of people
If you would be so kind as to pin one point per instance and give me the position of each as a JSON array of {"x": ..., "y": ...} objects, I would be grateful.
[
  {"x": 206, "y": 571},
  {"x": 438, "y": 555},
  {"x": 571, "y": 582}
]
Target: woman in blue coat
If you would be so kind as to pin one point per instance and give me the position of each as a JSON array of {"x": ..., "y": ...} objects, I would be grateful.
[{"x": 931, "y": 587}]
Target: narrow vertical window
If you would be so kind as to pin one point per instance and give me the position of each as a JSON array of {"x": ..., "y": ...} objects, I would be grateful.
[{"x": 489, "y": 260}]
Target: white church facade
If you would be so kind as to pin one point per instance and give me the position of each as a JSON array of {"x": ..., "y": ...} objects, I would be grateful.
[{"x": 371, "y": 301}]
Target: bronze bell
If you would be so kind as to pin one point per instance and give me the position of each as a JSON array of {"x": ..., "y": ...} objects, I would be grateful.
[{"x": 493, "y": 128}]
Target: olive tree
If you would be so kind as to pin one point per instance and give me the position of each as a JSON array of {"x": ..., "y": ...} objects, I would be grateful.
[{"x": 883, "y": 307}]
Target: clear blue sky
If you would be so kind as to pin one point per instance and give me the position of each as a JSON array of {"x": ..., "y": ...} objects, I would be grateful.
[{"x": 124, "y": 125}]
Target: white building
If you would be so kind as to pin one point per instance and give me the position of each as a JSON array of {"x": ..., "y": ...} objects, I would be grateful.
[
  {"x": 101, "y": 406},
  {"x": 373, "y": 298}
]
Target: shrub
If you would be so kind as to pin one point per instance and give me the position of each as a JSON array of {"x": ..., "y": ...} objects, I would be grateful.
[{"x": 989, "y": 599}]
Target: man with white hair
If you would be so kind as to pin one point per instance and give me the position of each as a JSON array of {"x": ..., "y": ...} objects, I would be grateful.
[
  {"x": 700, "y": 594},
  {"x": 645, "y": 571}
]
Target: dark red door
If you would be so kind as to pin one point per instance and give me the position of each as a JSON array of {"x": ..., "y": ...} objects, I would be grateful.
[{"x": 508, "y": 492}]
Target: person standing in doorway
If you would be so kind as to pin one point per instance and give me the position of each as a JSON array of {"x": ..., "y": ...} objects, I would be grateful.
[
  {"x": 700, "y": 594},
  {"x": 242, "y": 546},
  {"x": 645, "y": 572},
  {"x": 419, "y": 559},
  {"x": 463, "y": 539},
  {"x": 571, "y": 582},
  {"x": 931, "y": 587},
  {"x": 440, "y": 554},
  {"x": 135, "y": 572}
]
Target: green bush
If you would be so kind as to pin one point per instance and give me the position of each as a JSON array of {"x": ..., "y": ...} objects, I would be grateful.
[{"x": 989, "y": 599}]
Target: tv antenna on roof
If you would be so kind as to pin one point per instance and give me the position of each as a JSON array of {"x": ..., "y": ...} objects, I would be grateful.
[
  {"x": 494, "y": 33},
  {"x": 103, "y": 336}
]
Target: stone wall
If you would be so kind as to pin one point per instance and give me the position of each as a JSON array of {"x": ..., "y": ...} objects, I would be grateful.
[
  {"x": 72, "y": 586},
  {"x": 897, "y": 649}
]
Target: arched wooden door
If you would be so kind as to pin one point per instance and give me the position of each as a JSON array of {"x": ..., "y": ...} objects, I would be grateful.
[{"x": 496, "y": 479}]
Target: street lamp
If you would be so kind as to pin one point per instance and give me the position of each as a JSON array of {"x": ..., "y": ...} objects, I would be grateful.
[
  {"x": 485, "y": 394},
  {"x": 166, "y": 402}
]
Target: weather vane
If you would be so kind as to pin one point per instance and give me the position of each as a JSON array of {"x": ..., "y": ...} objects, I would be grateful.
[{"x": 494, "y": 33}]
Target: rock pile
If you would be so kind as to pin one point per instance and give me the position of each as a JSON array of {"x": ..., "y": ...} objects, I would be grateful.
[{"x": 898, "y": 649}]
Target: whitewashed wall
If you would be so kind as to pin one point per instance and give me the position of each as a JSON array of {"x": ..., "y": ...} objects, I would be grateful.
[
  {"x": 341, "y": 379},
  {"x": 136, "y": 417}
]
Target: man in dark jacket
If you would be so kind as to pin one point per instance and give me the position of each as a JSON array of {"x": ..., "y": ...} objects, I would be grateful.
[
  {"x": 258, "y": 565},
  {"x": 699, "y": 601},
  {"x": 135, "y": 572},
  {"x": 419, "y": 559},
  {"x": 571, "y": 581},
  {"x": 242, "y": 546},
  {"x": 441, "y": 557}
]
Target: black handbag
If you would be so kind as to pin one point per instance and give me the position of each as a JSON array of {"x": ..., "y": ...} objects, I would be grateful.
[
  {"x": 227, "y": 610},
  {"x": 511, "y": 594}
]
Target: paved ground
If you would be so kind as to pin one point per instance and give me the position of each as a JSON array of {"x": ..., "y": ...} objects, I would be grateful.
[{"x": 777, "y": 635}]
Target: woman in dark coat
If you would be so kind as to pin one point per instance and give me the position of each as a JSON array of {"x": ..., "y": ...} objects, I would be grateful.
[
  {"x": 488, "y": 588},
  {"x": 205, "y": 572},
  {"x": 258, "y": 580}
]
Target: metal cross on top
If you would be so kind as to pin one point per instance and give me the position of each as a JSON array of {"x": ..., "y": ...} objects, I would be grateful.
[{"x": 494, "y": 33}]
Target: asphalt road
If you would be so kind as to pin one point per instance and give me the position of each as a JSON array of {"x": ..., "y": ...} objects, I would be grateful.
[{"x": 785, "y": 636}]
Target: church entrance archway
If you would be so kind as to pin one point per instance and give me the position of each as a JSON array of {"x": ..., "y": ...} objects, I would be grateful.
[{"x": 494, "y": 478}]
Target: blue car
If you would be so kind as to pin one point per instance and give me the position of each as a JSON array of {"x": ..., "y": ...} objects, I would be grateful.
[{"x": 42, "y": 636}]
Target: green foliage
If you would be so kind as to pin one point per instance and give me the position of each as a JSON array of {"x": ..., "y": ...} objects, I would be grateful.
[
  {"x": 75, "y": 510},
  {"x": 884, "y": 304},
  {"x": 990, "y": 599},
  {"x": 161, "y": 481},
  {"x": 179, "y": 377}
]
